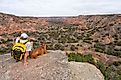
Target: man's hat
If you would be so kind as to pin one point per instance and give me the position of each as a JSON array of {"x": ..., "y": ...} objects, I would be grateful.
[{"x": 24, "y": 35}]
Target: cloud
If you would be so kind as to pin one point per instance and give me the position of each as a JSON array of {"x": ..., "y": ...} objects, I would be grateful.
[{"x": 59, "y": 7}]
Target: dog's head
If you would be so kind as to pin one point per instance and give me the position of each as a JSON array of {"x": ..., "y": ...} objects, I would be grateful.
[{"x": 43, "y": 44}]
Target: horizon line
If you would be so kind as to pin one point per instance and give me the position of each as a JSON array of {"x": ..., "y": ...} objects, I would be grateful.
[{"x": 92, "y": 14}]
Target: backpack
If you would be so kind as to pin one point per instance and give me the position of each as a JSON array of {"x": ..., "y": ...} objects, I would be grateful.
[{"x": 18, "y": 50}]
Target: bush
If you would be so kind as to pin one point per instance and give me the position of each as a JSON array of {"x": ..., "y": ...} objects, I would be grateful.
[
  {"x": 118, "y": 43},
  {"x": 75, "y": 57},
  {"x": 110, "y": 72},
  {"x": 101, "y": 66},
  {"x": 50, "y": 47},
  {"x": 16, "y": 34},
  {"x": 3, "y": 41},
  {"x": 72, "y": 48},
  {"x": 99, "y": 50},
  {"x": 118, "y": 77},
  {"x": 88, "y": 58},
  {"x": 80, "y": 58},
  {"x": 117, "y": 63},
  {"x": 99, "y": 47},
  {"x": 71, "y": 40},
  {"x": 117, "y": 53},
  {"x": 59, "y": 47},
  {"x": 2, "y": 51}
]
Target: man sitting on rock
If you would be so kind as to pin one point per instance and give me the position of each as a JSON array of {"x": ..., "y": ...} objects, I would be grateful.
[{"x": 24, "y": 38}]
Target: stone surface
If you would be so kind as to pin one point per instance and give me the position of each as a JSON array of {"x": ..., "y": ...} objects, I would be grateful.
[
  {"x": 84, "y": 71},
  {"x": 51, "y": 66}
]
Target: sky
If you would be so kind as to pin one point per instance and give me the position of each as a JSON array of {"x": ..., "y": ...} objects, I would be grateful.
[{"x": 43, "y": 8}]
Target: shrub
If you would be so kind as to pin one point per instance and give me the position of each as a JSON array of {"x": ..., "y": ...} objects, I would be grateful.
[
  {"x": 2, "y": 51},
  {"x": 101, "y": 66},
  {"x": 16, "y": 34},
  {"x": 80, "y": 58},
  {"x": 3, "y": 41},
  {"x": 99, "y": 47},
  {"x": 117, "y": 63},
  {"x": 118, "y": 77},
  {"x": 118, "y": 43},
  {"x": 87, "y": 41},
  {"x": 116, "y": 53},
  {"x": 88, "y": 58},
  {"x": 50, "y": 47},
  {"x": 75, "y": 57},
  {"x": 99, "y": 50},
  {"x": 110, "y": 72},
  {"x": 72, "y": 48},
  {"x": 71, "y": 40},
  {"x": 59, "y": 47},
  {"x": 79, "y": 37}
]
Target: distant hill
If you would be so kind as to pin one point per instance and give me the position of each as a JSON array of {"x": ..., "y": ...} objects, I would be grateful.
[{"x": 11, "y": 23}]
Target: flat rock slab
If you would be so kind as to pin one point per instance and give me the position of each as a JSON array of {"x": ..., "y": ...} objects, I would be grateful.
[{"x": 51, "y": 66}]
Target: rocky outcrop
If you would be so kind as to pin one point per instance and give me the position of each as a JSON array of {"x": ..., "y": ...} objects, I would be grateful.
[
  {"x": 51, "y": 66},
  {"x": 84, "y": 71}
]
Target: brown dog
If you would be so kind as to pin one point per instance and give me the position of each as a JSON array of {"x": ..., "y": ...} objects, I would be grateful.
[{"x": 39, "y": 51}]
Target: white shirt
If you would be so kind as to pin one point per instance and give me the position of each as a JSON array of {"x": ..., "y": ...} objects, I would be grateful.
[
  {"x": 29, "y": 45},
  {"x": 17, "y": 39}
]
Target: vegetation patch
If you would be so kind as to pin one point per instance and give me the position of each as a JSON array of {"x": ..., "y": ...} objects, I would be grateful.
[{"x": 80, "y": 58}]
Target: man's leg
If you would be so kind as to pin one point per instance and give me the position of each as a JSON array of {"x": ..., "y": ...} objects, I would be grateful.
[{"x": 26, "y": 58}]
